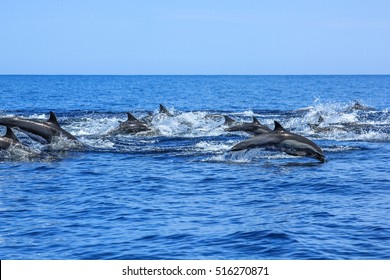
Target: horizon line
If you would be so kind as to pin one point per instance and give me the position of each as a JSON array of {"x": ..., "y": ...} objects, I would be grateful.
[{"x": 40, "y": 74}]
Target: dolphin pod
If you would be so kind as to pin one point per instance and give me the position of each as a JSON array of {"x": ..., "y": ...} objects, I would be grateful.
[
  {"x": 277, "y": 139},
  {"x": 283, "y": 140},
  {"x": 131, "y": 126}
]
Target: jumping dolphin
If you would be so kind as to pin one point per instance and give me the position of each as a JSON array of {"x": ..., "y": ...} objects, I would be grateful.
[
  {"x": 253, "y": 128},
  {"x": 45, "y": 129},
  {"x": 131, "y": 126},
  {"x": 8, "y": 139},
  {"x": 283, "y": 140}
]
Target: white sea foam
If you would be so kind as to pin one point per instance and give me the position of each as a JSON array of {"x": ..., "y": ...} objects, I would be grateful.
[
  {"x": 338, "y": 148},
  {"x": 63, "y": 143},
  {"x": 93, "y": 126},
  {"x": 188, "y": 124},
  {"x": 98, "y": 143},
  {"x": 227, "y": 158},
  {"x": 244, "y": 157},
  {"x": 20, "y": 153},
  {"x": 338, "y": 121},
  {"x": 39, "y": 116},
  {"x": 213, "y": 146},
  {"x": 248, "y": 113}
]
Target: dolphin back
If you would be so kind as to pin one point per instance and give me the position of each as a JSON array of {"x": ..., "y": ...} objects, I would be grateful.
[{"x": 260, "y": 141}]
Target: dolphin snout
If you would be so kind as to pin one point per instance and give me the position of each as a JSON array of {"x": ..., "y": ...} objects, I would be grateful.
[{"x": 320, "y": 157}]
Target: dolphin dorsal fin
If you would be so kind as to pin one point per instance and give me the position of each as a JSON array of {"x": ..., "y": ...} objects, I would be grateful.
[
  {"x": 130, "y": 117},
  {"x": 164, "y": 110},
  {"x": 53, "y": 119},
  {"x": 11, "y": 135},
  {"x": 357, "y": 106},
  {"x": 228, "y": 120},
  {"x": 255, "y": 120},
  {"x": 278, "y": 126}
]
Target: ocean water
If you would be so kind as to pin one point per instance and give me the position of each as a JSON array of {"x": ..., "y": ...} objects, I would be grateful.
[{"x": 178, "y": 192}]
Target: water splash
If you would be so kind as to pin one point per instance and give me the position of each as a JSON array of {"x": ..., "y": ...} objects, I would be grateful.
[
  {"x": 340, "y": 121},
  {"x": 214, "y": 146},
  {"x": 203, "y": 133}
]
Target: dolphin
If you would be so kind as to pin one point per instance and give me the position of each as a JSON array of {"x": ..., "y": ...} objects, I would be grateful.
[
  {"x": 283, "y": 140},
  {"x": 148, "y": 118},
  {"x": 355, "y": 127},
  {"x": 360, "y": 107},
  {"x": 8, "y": 139},
  {"x": 319, "y": 128},
  {"x": 131, "y": 126},
  {"x": 45, "y": 129},
  {"x": 253, "y": 128}
]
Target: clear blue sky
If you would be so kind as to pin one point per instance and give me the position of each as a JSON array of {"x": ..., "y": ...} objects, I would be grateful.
[{"x": 194, "y": 37}]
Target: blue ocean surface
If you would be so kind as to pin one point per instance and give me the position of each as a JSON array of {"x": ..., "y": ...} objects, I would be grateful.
[{"x": 178, "y": 192}]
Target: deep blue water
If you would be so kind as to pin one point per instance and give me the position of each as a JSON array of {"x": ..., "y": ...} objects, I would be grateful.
[{"x": 179, "y": 193}]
